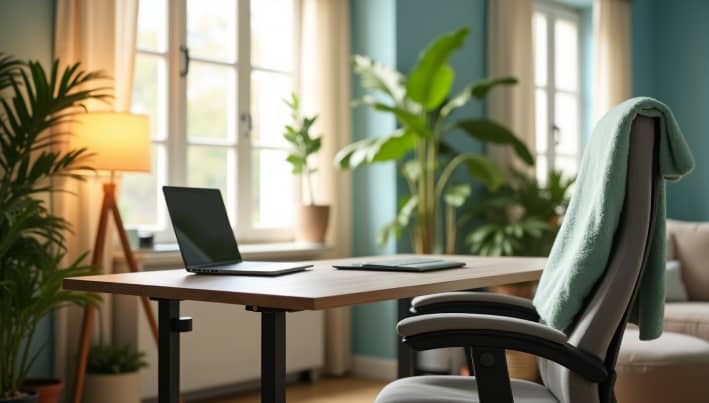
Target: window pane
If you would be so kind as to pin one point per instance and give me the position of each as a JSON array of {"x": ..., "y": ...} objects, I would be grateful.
[
  {"x": 138, "y": 193},
  {"x": 272, "y": 34},
  {"x": 567, "y": 165},
  {"x": 150, "y": 92},
  {"x": 566, "y": 58},
  {"x": 541, "y": 120},
  {"x": 270, "y": 114},
  {"x": 273, "y": 189},
  {"x": 567, "y": 119},
  {"x": 539, "y": 23},
  {"x": 211, "y": 102},
  {"x": 542, "y": 166},
  {"x": 213, "y": 167},
  {"x": 211, "y": 29},
  {"x": 152, "y": 25}
]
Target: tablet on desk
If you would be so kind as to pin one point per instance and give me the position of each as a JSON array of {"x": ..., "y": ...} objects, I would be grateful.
[{"x": 412, "y": 265}]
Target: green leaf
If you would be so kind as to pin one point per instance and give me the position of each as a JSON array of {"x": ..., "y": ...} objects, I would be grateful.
[
  {"x": 456, "y": 194},
  {"x": 407, "y": 207},
  {"x": 478, "y": 90},
  {"x": 411, "y": 121},
  {"x": 485, "y": 170},
  {"x": 375, "y": 149},
  {"x": 378, "y": 77},
  {"x": 489, "y": 131},
  {"x": 411, "y": 170},
  {"x": 431, "y": 79}
]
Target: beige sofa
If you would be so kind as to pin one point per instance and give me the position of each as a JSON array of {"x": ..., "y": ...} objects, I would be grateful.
[{"x": 688, "y": 243}]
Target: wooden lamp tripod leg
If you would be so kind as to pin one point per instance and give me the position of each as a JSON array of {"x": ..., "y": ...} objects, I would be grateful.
[{"x": 108, "y": 206}]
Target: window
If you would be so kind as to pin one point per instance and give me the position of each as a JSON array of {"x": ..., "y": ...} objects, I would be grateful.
[
  {"x": 212, "y": 76},
  {"x": 557, "y": 89}
]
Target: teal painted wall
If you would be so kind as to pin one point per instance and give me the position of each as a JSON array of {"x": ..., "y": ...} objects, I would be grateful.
[
  {"x": 670, "y": 63},
  {"x": 27, "y": 32},
  {"x": 394, "y": 32},
  {"x": 374, "y": 188}
]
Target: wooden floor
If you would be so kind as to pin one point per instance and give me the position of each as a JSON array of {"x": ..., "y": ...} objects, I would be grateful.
[{"x": 326, "y": 390}]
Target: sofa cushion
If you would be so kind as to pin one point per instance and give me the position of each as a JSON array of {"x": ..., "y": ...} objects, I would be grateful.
[
  {"x": 673, "y": 368},
  {"x": 691, "y": 248},
  {"x": 675, "y": 290},
  {"x": 690, "y": 318}
]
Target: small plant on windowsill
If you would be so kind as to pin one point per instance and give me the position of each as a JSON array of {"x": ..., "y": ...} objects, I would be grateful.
[
  {"x": 113, "y": 374},
  {"x": 312, "y": 219}
]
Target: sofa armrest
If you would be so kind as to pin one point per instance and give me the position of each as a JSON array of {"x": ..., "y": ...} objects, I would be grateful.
[{"x": 475, "y": 303}]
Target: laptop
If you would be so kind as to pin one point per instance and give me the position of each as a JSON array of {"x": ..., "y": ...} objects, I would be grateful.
[
  {"x": 205, "y": 238},
  {"x": 412, "y": 264}
]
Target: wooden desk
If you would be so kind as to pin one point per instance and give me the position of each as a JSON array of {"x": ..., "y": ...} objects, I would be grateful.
[{"x": 321, "y": 287}]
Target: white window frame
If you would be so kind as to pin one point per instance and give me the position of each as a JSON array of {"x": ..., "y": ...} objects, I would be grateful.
[
  {"x": 554, "y": 12},
  {"x": 239, "y": 174}
]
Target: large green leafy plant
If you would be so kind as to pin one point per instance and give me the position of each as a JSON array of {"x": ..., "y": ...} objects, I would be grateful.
[
  {"x": 424, "y": 107},
  {"x": 35, "y": 105},
  {"x": 521, "y": 218}
]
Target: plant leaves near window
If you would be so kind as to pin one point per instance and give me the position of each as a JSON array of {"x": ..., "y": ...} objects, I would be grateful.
[
  {"x": 376, "y": 149},
  {"x": 431, "y": 78},
  {"x": 303, "y": 144},
  {"x": 378, "y": 77},
  {"x": 407, "y": 207},
  {"x": 457, "y": 194},
  {"x": 477, "y": 90},
  {"x": 488, "y": 131},
  {"x": 484, "y": 170}
]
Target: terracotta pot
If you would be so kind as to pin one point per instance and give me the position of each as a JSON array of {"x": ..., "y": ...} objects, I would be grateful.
[
  {"x": 30, "y": 398},
  {"x": 311, "y": 223},
  {"x": 112, "y": 388},
  {"x": 520, "y": 365},
  {"x": 49, "y": 389}
]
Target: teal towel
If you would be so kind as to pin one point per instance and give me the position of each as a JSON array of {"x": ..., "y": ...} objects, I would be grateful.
[{"x": 583, "y": 246}]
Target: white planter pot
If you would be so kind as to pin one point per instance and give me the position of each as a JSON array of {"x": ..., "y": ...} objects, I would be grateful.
[{"x": 112, "y": 388}]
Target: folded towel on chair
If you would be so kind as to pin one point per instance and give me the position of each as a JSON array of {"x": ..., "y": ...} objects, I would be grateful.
[{"x": 583, "y": 246}]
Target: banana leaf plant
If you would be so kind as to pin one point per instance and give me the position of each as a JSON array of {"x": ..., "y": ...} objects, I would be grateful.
[
  {"x": 34, "y": 104},
  {"x": 423, "y": 107}
]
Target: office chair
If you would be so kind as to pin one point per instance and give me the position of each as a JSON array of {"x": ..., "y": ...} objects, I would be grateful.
[{"x": 577, "y": 366}]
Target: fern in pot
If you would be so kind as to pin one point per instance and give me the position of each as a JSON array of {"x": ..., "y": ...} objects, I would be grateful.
[
  {"x": 312, "y": 218},
  {"x": 33, "y": 103},
  {"x": 113, "y": 374}
]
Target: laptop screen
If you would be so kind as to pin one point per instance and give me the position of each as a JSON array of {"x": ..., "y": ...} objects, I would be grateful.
[{"x": 201, "y": 226}]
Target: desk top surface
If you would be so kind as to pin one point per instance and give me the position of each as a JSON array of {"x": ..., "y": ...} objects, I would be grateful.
[{"x": 321, "y": 287}]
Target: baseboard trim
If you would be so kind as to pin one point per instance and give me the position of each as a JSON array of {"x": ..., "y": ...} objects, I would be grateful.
[{"x": 374, "y": 367}]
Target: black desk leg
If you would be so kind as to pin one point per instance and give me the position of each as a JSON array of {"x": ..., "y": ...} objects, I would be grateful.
[
  {"x": 406, "y": 356},
  {"x": 273, "y": 357},
  {"x": 168, "y": 352},
  {"x": 170, "y": 325}
]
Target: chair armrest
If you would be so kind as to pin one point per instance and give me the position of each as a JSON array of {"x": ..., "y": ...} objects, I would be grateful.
[
  {"x": 426, "y": 332},
  {"x": 475, "y": 302}
]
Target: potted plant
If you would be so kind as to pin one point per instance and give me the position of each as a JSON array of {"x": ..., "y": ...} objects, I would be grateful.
[
  {"x": 423, "y": 106},
  {"x": 33, "y": 103},
  {"x": 521, "y": 218},
  {"x": 112, "y": 374},
  {"x": 312, "y": 218}
]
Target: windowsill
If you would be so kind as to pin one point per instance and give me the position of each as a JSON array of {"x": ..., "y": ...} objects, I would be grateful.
[{"x": 164, "y": 256}]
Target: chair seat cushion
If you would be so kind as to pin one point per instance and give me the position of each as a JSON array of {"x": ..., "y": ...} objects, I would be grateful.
[
  {"x": 672, "y": 368},
  {"x": 691, "y": 318},
  {"x": 455, "y": 389}
]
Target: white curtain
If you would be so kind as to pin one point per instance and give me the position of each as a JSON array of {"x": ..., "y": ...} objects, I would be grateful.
[
  {"x": 510, "y": 53},
  {"x": 612, "y": 54},
  {"x": 100, "y": 34},
  {"x": 325, "y": 91}
]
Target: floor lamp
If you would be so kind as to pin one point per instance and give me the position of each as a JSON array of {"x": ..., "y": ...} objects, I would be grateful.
[{"x": 119, "y": 142}]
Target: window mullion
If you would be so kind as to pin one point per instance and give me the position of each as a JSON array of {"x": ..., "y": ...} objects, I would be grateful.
[
  {"x": 177, "y": 138},
  {"x": 551, "y": 88},
  {"x": 242, "y": 181}
]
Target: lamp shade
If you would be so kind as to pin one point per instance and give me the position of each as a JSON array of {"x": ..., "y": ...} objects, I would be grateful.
[{"x": 119, "y": 141}]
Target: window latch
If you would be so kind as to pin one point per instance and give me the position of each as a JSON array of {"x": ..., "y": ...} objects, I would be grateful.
[
  {"x": 245, "y": 119},
  {"x": 185, "y": 51},
  {"x": 556, "y": 134}
]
